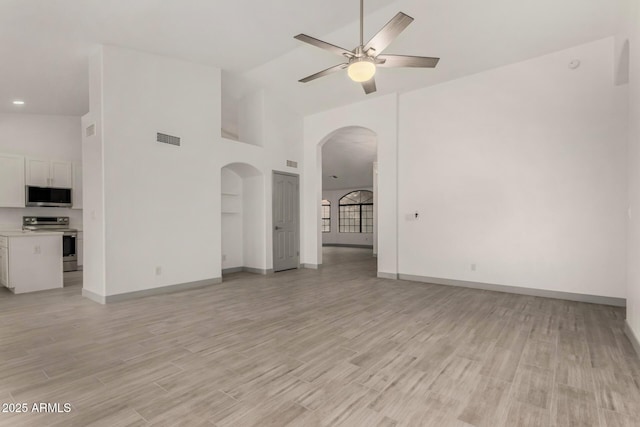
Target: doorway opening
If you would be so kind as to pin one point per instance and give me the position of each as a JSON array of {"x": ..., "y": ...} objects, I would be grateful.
[
  {"x": 348, "y": 208},
  {"x": 243, "y": 227}
]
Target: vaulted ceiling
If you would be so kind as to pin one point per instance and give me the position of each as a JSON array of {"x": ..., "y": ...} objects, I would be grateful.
[{"x": 44, "y": 43}]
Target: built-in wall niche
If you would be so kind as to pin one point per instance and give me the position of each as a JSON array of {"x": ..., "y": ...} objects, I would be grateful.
[
  {"x": 231, "y": 203},
  {"x": 231, "y": 193},
  {"x": 242, "y": 203}
]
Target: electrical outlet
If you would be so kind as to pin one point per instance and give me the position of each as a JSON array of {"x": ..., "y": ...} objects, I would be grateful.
[
  {"x": 37, "y": 250},
  {"x": 224, "y": 257},
  {"x": 158, "y": 271},
  {"x": 473, "y": 267}
]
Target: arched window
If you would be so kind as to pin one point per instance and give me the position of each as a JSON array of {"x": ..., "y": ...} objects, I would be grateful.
[
  {"x": 356, "y": 212},
  {"x": 326, "y": 216}
]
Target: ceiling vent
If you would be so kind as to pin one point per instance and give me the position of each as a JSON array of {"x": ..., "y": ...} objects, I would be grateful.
[
  {"x": 292, "y": 164},
  {"x": 168, "y": 139}
]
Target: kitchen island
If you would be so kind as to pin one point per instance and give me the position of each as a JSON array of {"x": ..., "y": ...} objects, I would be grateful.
[{"x": 30, "y": 261}]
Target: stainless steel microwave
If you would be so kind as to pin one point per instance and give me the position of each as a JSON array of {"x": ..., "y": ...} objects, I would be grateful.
[{"x": 48, "y": 196}]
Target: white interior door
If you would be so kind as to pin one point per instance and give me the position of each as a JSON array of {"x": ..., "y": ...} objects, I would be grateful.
[{"x": 286, "y": 232}]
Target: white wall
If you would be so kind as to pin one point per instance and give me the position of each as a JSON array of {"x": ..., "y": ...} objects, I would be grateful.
[
  {"x": 154, "y": 205},
  {"x": 157, "y": 196},
  {"x": 47, "y": 137},
  {"x": 334, "y": 237},
  {"x": 254, "y": 227},
  {"x": 251, "y": 118},
  {"x": 279, "y": 130},
  {"x": 93, "y": 218},
  {"x": 378, "y": 114},
  {"x": 521, "y": 171},
  {"x": 633, "y": 266}
]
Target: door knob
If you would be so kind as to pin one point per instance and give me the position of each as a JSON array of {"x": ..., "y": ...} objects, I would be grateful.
[{"x": 278, "y": 228}]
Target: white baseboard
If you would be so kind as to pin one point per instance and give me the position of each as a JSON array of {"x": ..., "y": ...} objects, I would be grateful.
[
  {"x": 390, "y": 276},
  {"x": 247, "y": 269},
  {"x": 347, "y": 245},
  {"x": 635, "y": 342},
  {"x": 570, "y": 296},
  {"x": 262, "y": 271},
  {"x": 100, "y": 299},
  {"x": 106, "y": 299}
]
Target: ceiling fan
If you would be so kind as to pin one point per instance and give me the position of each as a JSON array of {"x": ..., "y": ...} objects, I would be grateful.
[{"x": 363, "y": 60}]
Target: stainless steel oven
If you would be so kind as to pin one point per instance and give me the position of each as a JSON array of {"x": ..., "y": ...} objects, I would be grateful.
[
  {"x": 69, "y": 251},
  {"x": 69, "y": 236}
]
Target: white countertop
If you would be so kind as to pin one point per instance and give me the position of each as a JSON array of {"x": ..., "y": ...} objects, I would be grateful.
[{"x": 20, "y": 233}]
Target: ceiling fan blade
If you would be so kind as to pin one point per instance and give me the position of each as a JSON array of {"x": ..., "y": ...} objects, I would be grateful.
[
  {"x": 406, "y": 61},
  {"x": 388, "y": 33},
  {"x": 324, "y": 72},
  {"x": 324, "y": 45},
  {"x": 369, "y": 86}
]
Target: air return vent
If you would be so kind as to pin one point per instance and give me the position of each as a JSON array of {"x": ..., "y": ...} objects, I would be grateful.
[
  {"x": 292, "y": 164},
  {"x": 168, "y": 139}
]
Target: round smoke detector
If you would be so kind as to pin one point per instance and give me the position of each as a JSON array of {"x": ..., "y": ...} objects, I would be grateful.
[{"x": 574, "y": 64}]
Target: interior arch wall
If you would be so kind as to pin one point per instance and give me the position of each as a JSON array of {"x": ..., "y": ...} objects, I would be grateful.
[{"x": 380, "y": 116}]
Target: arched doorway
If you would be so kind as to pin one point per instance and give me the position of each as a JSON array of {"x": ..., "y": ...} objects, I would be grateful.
[
  {"x": 348, "y": 230},
  {"x": 380, "y": 116},
  {"x": 242, "y": 220}
]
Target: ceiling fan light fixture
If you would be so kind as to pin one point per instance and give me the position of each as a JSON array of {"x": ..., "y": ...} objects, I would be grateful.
[
  {"x": 366, "y": 57},
  {"x": 361, "y": 70}
]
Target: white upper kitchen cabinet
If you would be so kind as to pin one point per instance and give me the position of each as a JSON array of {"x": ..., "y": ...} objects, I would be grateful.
[
  {"x": 11, "y": 181},
  {"x": 61, "y": 174},
  {"x": 38, "y": 171},
  {"x": 49, "y": 173}
]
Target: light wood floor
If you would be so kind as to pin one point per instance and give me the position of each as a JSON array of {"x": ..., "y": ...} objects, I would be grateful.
[{"x": 335, "y": 346}]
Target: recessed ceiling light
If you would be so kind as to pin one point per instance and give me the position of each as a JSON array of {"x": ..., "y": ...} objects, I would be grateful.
[{"x": 18, "y": 102}]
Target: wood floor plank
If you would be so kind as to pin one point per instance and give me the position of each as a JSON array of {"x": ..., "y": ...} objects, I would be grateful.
[
  {"x": 524, "y": 415},
  {"x": 574, "y": 407},
  {"x": 533, "y": 386},
  {"x": 487, "y": 404}
]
